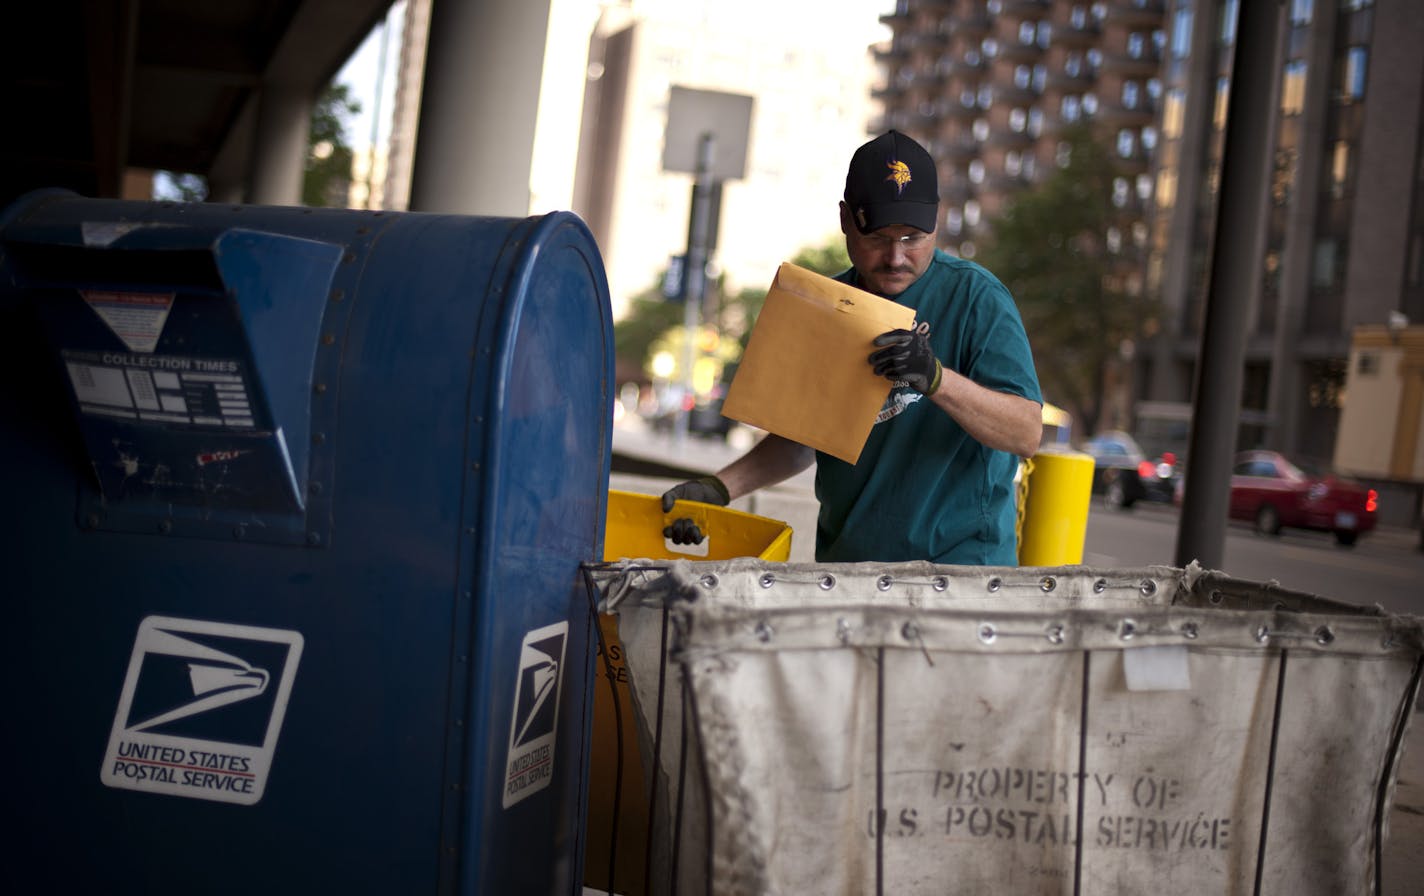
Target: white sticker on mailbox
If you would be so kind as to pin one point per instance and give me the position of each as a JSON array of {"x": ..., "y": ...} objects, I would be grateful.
[
  {"x": 201, "y": 709},
  {"x": 534, "y": 726}
]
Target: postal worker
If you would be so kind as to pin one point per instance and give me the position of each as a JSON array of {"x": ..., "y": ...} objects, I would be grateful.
[{"x": 935, "y": 480}]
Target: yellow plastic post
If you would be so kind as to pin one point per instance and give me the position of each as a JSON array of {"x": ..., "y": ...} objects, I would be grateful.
[{"x": 1055, "y": 523}]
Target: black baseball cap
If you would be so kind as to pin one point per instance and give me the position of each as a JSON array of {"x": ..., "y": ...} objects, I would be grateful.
[{"x": 892, "y": 180}]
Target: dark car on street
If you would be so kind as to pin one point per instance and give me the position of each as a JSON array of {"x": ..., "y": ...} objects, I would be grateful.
[
  {"x": 1273, "y": 493},
  {"x": 1124, "y": 475}
]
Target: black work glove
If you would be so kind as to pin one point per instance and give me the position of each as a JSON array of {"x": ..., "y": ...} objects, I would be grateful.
[
  {"x": 708, "y": 490},
  {"x": 907, "y": 356}
]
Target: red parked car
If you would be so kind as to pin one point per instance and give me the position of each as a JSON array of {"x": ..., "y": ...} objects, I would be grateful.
[{"x": 1273, "y": 493}]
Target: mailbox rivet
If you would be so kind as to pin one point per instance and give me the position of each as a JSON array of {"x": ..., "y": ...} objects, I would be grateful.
[
  {"x": 318, "y": 438},
  {"x": 238, "y": 531},
  {"x": 320, "y": 388},
  {"x": 92, "y": 520},
  {"x": 338, "y": 294},
  {"x": 165, "y": 526},
  {"x": 328, "y": 339},
  {"x": 316, "y": 488},
  {"x": 313, "y": 538}
]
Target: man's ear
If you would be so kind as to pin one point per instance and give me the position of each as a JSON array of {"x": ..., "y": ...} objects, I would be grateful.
[{"x": 845, "y": 218}]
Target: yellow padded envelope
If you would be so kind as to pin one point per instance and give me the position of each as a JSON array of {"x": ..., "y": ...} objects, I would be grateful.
[{"x": 804, "y": 375}]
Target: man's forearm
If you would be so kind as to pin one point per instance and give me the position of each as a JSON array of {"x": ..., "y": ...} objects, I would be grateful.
[
  {"x": 999, "y": 420},
  {"x": 772, "y": 460}
]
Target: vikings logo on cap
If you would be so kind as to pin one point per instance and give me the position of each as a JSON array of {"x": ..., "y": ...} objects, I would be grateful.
[{"x": 899, "y": 173}]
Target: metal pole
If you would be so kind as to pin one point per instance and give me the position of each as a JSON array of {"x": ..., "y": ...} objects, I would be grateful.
[
  {"x": 1240, "y": 225},
  {"x": 698, "y": 230}
]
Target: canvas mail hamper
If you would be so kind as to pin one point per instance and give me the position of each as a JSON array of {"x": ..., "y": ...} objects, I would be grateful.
[{"x": 917, "y": 729}]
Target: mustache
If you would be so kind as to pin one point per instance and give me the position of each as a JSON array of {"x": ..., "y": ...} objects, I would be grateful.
[{"x": 893, "y": 269}]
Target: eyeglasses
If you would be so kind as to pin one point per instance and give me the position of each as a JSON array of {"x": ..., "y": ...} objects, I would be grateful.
[{"x": 907, "y": 242}]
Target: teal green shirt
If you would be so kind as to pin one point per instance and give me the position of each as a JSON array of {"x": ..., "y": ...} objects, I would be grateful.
[{"x": 924, "y": 489}]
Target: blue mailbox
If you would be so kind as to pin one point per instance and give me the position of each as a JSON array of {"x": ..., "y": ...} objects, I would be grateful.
[{"x": 295, "y": 505}]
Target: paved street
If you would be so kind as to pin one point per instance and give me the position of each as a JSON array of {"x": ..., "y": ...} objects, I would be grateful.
[{"x": 1386, "y": 568}]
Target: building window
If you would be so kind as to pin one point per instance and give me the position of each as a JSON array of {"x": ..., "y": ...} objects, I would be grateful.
[
  {"x": 986, "y": 97},
  {"x": 1035, "y": 121},
  {"x": 1018, "y": 120},
  {"x": 1293, "y": 88},
  {"x": 1173, "y": 111},
  {"x": 967, "y": 97},
  {"x": 1073, "y": 65},
  {"x": 1062, "y": 155},
  {"x": 1136, "y": 45},
  {"x": 1149, "y": 138},
  {"x": 1013, "y": 163},
  {"x": 1030, "y": 167},
  {"x": 976, "y": 171},
  {"x": 1114, "y": 239},
  {"x": 1040, "y": 77},
  {"x": 1127, "y": 143},
  {"x": 1166, "y": 188},
  {"x": 1182, "y": 34},
  {"x": 1300, "y": 11},
  {"x": 1070, "y": 108},
  {"x": 971, "y": 213},
  {"x": 1023, "y": 77},
  {"x": 1339, "y": 168},
  {"x": 954, "y": 221},
  {"x": 1028, "y": 32},
  {"x": 990, "y": 47},
  {"x": 1223, "y": 94},
  {"x": 1323, "y": 272},
  {"x": 1120, "y": 192},
  {"x": 980, "y": 129},
  {"x": 1045, "y": 35},
  {"x": 1090, "y": 104},
  {"x": 1095, "y": 59},
  {"x": 1130, "y": 92},
  {"x": 1144, "y": 187},
  {"x": 1229, "y": 11},
  {"x": 1352, "y": 73}
]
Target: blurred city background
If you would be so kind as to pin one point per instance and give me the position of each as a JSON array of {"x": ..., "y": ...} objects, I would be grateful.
[{"x": 1081, "y": 148}]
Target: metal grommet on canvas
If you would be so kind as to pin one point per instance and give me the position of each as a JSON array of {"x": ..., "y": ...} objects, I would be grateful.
[
  {"x": 987, "y": 632},
  {"x": 883, "y": 583},
  {"x": 827, "y": 582},
  {"x": 766, "y": 580},
  {"x": 708, "y": 581},
  {"x": 995, "y": 584},
  {"x": 763, "y": 631},
  {"x": 1047, "y": 584}
]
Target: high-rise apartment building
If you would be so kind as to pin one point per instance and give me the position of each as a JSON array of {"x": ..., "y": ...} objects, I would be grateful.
[{"x": 987, "y": 85}]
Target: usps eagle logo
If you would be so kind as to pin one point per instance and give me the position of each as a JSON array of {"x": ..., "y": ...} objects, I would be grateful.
[{"x": 899, "y": 173}]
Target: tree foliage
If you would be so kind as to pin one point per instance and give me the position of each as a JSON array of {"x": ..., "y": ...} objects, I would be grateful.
[
  {"x": 650, "y": 315},
  {"x": 1050, "y": 249},
  {"x": 328, "y": 171}
]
